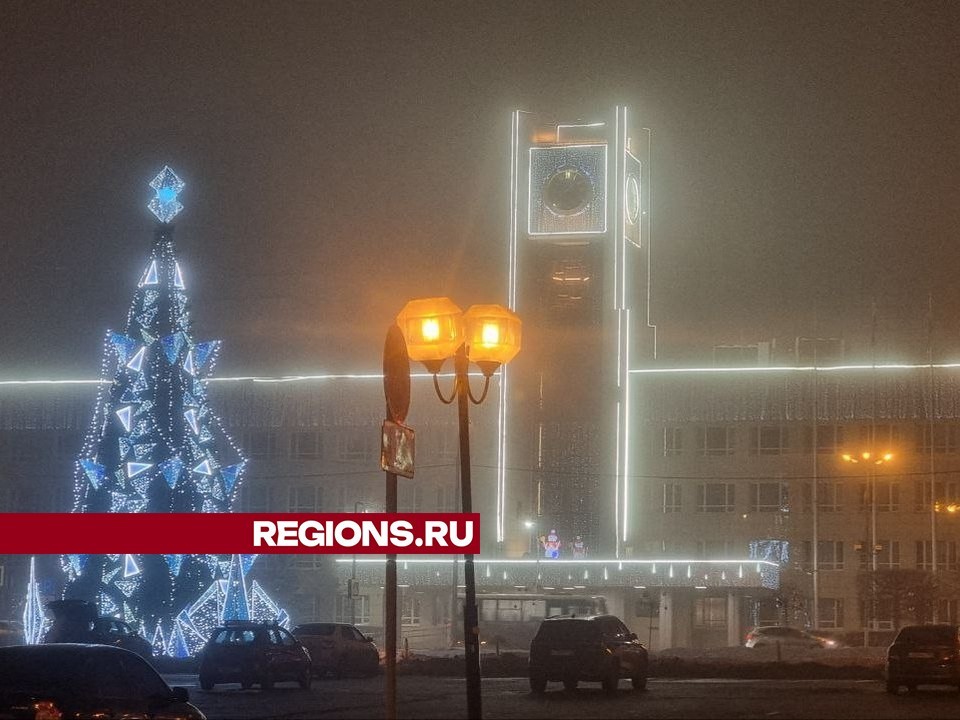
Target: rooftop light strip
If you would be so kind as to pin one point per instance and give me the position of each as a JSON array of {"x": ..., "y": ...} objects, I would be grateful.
[
  {"x": 547, "y": 563},
  {"x": 427, "y": 376},
  {"x": 793, "y": 368},
  {"x": 252, "y": 378}
]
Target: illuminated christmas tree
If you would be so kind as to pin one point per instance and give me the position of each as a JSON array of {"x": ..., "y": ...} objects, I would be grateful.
[{"x": 156, "y": 446}]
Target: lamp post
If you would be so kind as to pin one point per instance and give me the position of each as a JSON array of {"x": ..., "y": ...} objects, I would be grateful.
[
  {"x": 872, "y": 460},
  {"x": 435, "y": 330}
]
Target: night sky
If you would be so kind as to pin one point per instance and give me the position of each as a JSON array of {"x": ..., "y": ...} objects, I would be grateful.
[{"x": 341, "y": 158}]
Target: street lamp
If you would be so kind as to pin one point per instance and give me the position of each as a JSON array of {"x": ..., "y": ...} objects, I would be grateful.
[
  {"x": 872, "y": 460},
  {"x": 489, "y": 335}
]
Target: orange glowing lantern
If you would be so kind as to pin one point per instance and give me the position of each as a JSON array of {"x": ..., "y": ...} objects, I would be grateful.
[
  {"x": 492, "y": 336},
  {"x": 433, "y": 329}
]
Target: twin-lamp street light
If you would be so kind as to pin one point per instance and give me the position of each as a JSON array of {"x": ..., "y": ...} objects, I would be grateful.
[
  {"x": 435, "y": 329},
  {"x": 873, "y": 460}
]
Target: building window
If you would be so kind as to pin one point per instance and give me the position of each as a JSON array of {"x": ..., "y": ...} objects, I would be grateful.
[
  {"x": 712, "y": 550},
  {"x": 410, "y": 613},
  {"x": 716, "y": 440},
  {"x": 306, "y": 445},
  {"x": 256, "y": 498},
  {"x": 881, "y": 437},
  {"x": 448, "y": 444},
  {"x": 672, "y": 498},
  {"x": 768, "y": 497},
  {"x": 260, "y": 443},
  {"x": 672, "y": 441},
  {"x": 829, "y": 496},
  {"x": 308, "y": 562},
  {"x": 359, "y": 606},
  {"x": 710, "y": 612},
  {"x": 944, "y": 492},
  {"x": 946, "y": 555},
  {"x": 946, "y": 439},
  {"x": 305, "y": 499},
  {"x": 829, "y": 438},
  {"x": 830, "y": 613},
  {"x": 771, "y": 440},
  {"x": 888, "y": 556},
  {"x": 715, "y": 497},
  {"x": 448, "y": 499},
  {"x": 830, "y": 555},
  {"x": 888, "y": 496},
  {"x": 947, "y": 611},
  {"x": 355, "y": 446},
  {"x": 411, "y": 497},
  {"x": 10, "y": 499}
]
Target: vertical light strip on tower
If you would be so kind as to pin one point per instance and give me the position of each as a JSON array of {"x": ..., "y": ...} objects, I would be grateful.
[
  {"x": 624, "y": 379},
  {"x": 501, "y": 499}
]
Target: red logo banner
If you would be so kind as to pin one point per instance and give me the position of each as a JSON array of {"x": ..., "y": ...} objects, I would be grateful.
[{"x": 247, "y": 533}]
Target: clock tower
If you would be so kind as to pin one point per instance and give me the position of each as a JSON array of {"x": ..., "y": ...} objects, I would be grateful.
[{"x": 578, "y": 269}]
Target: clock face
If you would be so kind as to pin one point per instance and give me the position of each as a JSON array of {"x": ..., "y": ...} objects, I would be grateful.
[
  {"x": 632, "y": 199},
  {"x": 568, "y": 191}
]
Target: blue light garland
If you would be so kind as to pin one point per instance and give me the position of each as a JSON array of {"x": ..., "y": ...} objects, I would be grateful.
[{"x": 155, "y": 445}]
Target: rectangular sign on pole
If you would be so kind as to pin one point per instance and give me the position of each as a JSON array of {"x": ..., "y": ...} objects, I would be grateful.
[{"x": 397, "y": 449}]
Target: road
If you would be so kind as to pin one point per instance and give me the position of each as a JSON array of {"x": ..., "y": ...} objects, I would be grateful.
[{"x": 441, "y": 697}]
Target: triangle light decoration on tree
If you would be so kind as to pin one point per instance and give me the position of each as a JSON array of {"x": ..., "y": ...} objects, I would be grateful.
[{"x": 156, "y": 446}]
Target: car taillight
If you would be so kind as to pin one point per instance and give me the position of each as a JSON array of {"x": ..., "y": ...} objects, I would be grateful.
[{"x": 46, "y": 710}]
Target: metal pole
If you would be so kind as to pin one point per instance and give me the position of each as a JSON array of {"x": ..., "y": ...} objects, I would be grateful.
[
  {"x": 873, "y": 547},
  {"x": 933, "y": 463},
  {"x": 816, "y": 494},
  {"x": 390, "y": 621},
  {"x": 353, "y": 577},
  {"x": 471, "y": 624}
]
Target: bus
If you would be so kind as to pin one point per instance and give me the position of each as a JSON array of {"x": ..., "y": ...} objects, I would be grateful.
[{"x": 510, "y": 620}]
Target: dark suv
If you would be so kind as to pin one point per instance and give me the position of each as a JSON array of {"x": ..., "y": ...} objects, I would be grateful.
[
  {"x": 76, "y": 621},
  {"x": 339, "y": 648},
  {"x": 924, "y": 655},
  {"x": 249, "y": 652},
  {"x": 597, "y": 648}
]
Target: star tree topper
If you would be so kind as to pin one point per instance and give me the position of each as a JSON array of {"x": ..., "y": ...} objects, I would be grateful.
[{"x": 167, "y": 186}]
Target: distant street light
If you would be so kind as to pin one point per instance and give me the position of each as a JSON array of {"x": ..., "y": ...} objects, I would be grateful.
[
  {"x": 489, "y": 335},
  {"x": 873, "y": 460}
]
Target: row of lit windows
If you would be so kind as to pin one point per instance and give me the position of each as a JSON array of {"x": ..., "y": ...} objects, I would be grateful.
[
  {"x": 794, "y": 438},
  {"x": 830, "y": 555},
  {"x": 356, "y": 445},
  {"x": 313, "y": 498},
  {"x": 832, "y": 496},
  {"x": 360, "y": 444}
]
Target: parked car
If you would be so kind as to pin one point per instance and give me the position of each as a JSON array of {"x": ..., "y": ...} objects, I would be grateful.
[
  {"x": 597, "y": 648},
  {"x": 923, "y": 655},
  {"x": 254, "y": 653},
  {"x": 76, "y": 621},
  {"x": 72, "y": 680},
  {"x": 11, "y": 633},
  {"x": 339, "y": 648},
  {"x": 771, "y": 635}
]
